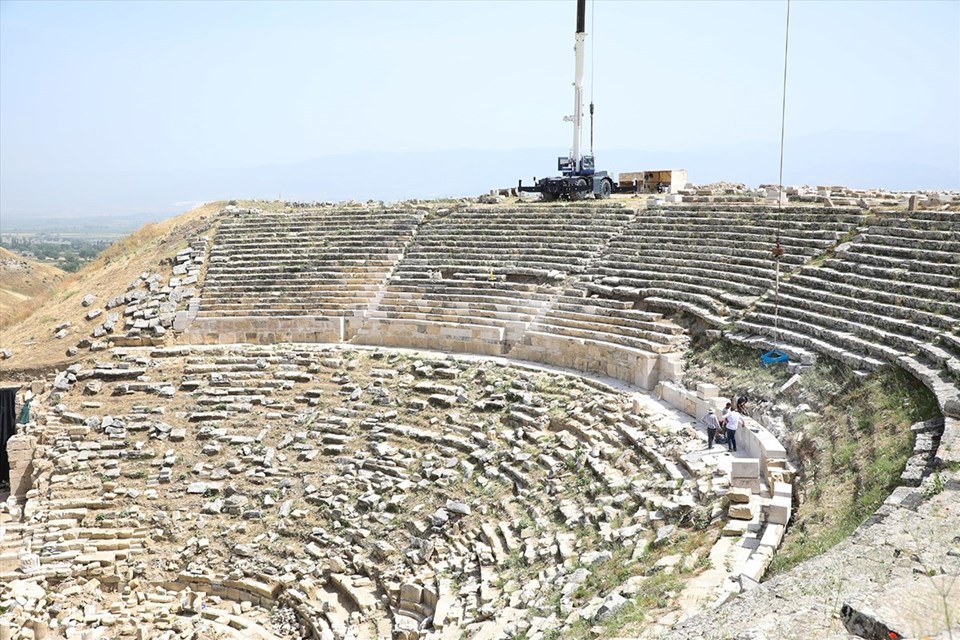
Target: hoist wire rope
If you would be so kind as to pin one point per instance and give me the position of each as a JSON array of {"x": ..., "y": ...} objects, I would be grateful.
[
  {"x": 778, "y": 250},
  {"x": 593, "y": 41}
]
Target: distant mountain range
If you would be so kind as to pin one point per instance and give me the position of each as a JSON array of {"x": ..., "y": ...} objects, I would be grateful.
[{"x": 92, "y": 197}]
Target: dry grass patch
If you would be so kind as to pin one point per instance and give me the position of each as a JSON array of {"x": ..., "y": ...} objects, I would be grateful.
[{"x": 31, "y": 339}]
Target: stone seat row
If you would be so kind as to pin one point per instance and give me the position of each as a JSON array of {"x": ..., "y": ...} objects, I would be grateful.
[
  {"x": 591, "y": 309},
  {"x": 545, "y": 259},
  {"x": 921, "y": 324},
  {"x": 582, "y": 208},
  {"x": 876, "y": 338},
  {"x": 756, "y": 272},
  {"x": 915, "y": 271},
  {"x": 923, "y": 239},
  {"x": 750, "y": 215},
  {"x": 361, "y": 247},
  {"x": 285, "y": 309},
  {"x": 342, "y": 224},
  {"x": 718, "y": 243},
  {"x": 471, "y": 316},
  {"x": 466, "y": 275},
  {"x": 906, "y": 250},
  {"x": 477, "y": 303},
  {"x": 454, "y": 289},
  {"x": 703, "y": 302},
  {"x": 281, "y": 227},
  {"x": 601, "y": 333},
  {"x": 855, "y": 286},
  {"x": 506, "y": 241},
  {"x": 233, "y": 237},
  {"x": 503, "y": 310},
  {"x": 480, "y": 246},
  {"x": 327, "y": 286},
  {"x": 304, "y": 296},
  {"x": 494, "y": 222},
  {"x": 922, "y": 219},
  {"x": 443, "y": 239},
  {"x": 658, "y": 283},
  {"x": 471, "y": 301},
  {"x": 739, "y": 229},
  {"x": 792, "y": 332},
  {"x": 652, "y": 274},
  {"x": 494, "y": 217},
  {"x": 316, "y": 216},
  {"x": 453, "y": 316},
  {"x": 888, "y": 232},
  {"x": 292, "y": 275},
  {"x": 661, "y": 333},
  {"x": 329, "y": 282},
  {"x": 893, "y": 264},
  {"x": 268, "y": 288},
  {"x": 835, "y": 215},
  {"x": 598, "y": 333},
  {"x": 317, "y": 260},
  {"x": 750, "y": 259},
  {"x": 372, "y": 240}
]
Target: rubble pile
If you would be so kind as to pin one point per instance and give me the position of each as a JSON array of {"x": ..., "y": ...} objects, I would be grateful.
[
  {"x": 323, "y": 492},
  {"x": 152, "y": 305}
]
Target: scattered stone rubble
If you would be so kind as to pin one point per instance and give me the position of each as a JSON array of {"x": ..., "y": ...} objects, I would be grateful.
[
  {"x": 152, "y": 305},
  {"x": 287, "y": 492}
]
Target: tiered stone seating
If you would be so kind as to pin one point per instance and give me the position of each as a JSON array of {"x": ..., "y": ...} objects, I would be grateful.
[
  {"x": 892, "y": 295},
  {"x": 602, "y": 336},
  {"x": 575, "y": 315},
  {"x": 713, "y": 263},
  {"x": 308, "y": 264},
  {"x": 474, "y": 278}
]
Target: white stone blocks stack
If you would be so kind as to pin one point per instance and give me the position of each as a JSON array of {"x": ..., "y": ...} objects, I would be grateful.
[
  {"x": 745, "y": 473},
  {"x": 20, "y": 449}
]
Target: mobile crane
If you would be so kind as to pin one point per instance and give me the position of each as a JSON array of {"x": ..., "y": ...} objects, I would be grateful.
[{"x": 578, "y": 177}]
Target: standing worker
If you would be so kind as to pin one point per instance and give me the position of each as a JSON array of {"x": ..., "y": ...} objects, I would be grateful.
[
  {"x": 734, "y": 421},
  {"x": 712, "y": 425}
]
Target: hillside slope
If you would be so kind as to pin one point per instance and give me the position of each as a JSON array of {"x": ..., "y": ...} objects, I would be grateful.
[
  {"x": 22, "y": 282},
  {"x": 32, "y": 339}
]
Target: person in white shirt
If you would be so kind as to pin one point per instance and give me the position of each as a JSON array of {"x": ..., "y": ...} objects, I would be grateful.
[{"x": 734, "y": 421}]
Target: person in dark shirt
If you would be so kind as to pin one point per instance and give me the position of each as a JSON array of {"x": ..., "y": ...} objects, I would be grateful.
[{"x": 742, "y": 405}]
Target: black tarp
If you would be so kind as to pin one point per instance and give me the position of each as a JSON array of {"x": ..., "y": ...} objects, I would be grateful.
[{"x": 8, "y": 427}]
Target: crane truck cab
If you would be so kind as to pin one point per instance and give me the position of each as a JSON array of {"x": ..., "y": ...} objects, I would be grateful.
[{"x": 576, "y": 182}]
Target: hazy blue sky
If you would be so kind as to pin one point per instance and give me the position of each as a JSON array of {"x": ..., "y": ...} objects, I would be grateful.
[{"x": 102, "y": 98}]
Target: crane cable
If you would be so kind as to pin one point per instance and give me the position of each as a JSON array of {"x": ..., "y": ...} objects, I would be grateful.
[
  {"x": 778, "y": 249},
  {"x": 593, "y": 40}
]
